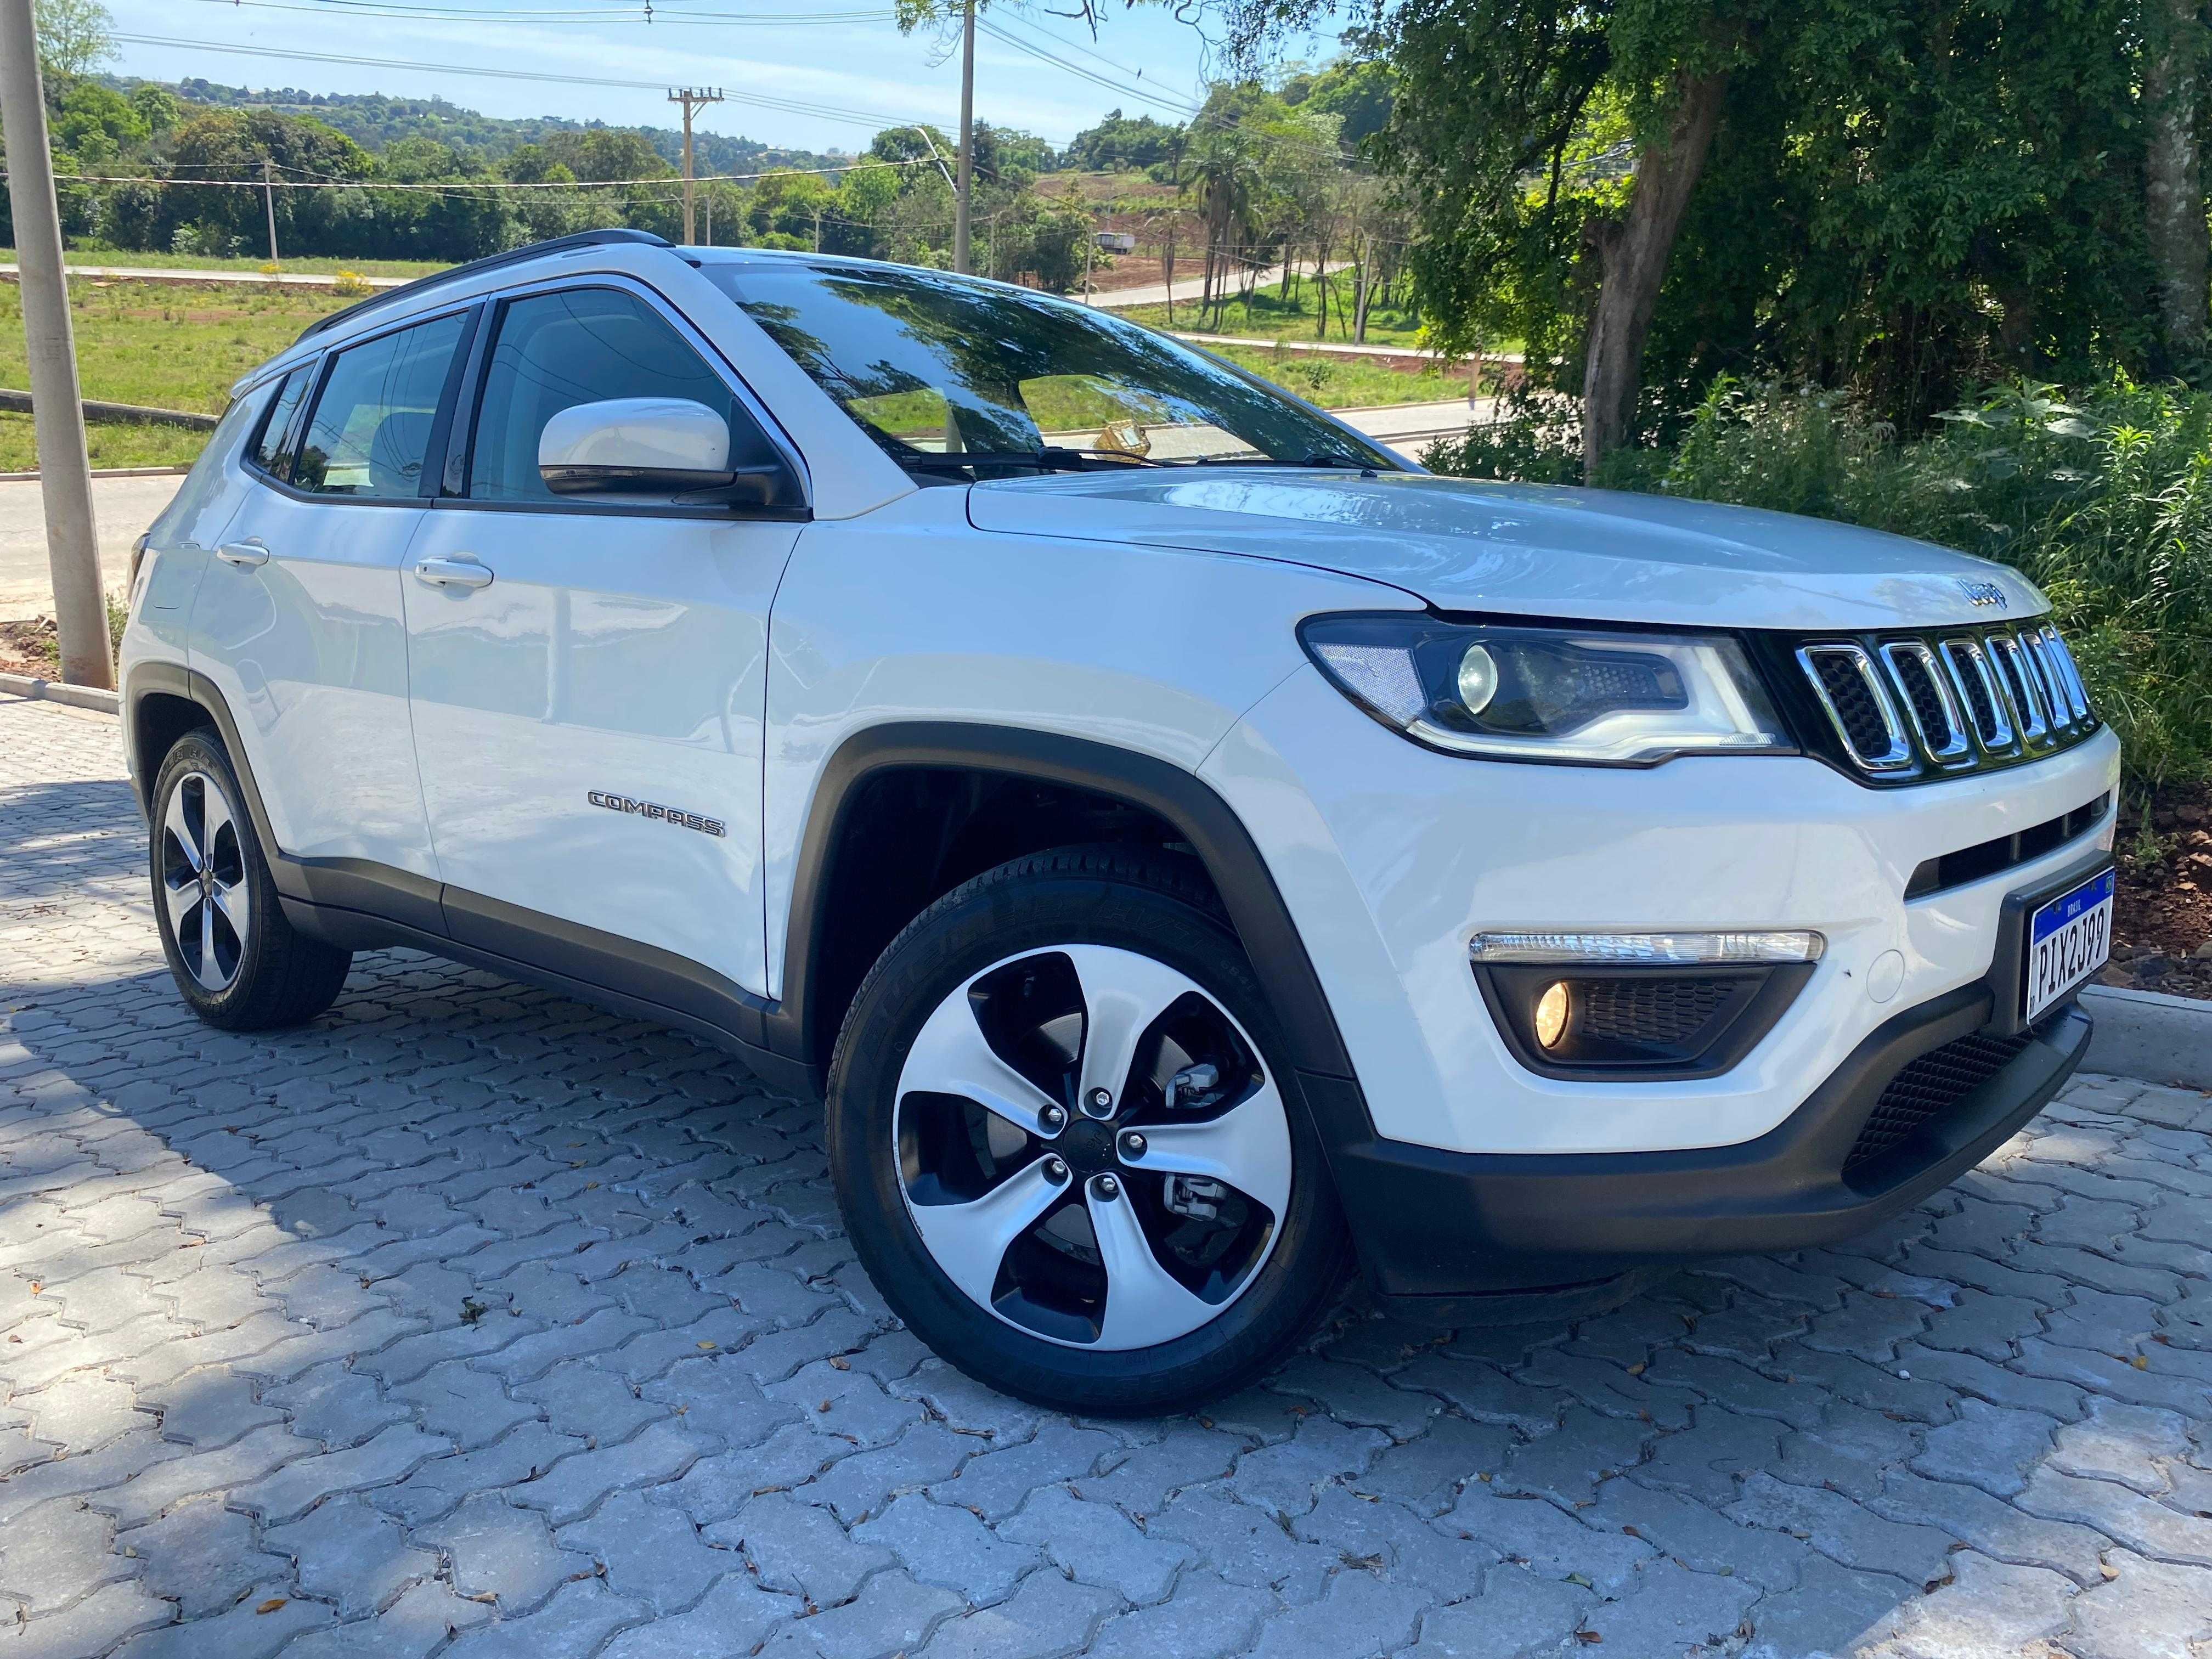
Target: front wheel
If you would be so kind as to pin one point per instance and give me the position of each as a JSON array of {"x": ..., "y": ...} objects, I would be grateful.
[{"x": 1066, "y": 1148}]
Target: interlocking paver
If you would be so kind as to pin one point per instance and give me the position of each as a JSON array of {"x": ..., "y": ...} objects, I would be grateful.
[{"x": 466, "y": 1292}]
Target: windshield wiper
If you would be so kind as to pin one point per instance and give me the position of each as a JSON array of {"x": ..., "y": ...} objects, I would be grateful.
[
  {"x": 1323, "y": 460},
  {"x": 1052, "y": 457}
]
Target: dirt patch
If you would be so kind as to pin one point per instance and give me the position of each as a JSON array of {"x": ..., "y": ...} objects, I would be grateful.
[
  {"x": 30, "y": 647},
  {"x": 2164, "y": 913}
]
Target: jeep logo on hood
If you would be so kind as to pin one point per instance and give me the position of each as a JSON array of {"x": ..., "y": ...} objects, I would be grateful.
[{"x": 1983, "y": 593}]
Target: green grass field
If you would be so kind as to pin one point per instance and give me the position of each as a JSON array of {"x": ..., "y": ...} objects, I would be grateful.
[
  {"x": 130, "y": 258},
  {"x": 1270, "y": 317},
  {"x": 181, "y": 348}
]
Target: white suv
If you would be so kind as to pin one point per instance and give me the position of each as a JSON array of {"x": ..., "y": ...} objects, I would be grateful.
[{"x": 1184, "y": 846}]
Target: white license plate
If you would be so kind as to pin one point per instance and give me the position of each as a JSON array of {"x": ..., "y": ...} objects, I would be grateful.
[{"x": 2067, "y": 940}]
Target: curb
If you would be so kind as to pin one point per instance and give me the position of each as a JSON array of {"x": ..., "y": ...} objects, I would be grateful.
[
  {"x": 77, "y": 697},
  {"x": 107, "y": 472},
  {"x": 2149, "y": 1036}
]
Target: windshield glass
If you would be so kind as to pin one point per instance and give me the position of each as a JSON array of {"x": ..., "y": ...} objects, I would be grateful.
[{"x": 932, "y": 365}]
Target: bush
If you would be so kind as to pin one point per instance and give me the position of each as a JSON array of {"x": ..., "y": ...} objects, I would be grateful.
[
  {"x": 2103, "y": 500},
  {"x": 349, "y": 283}
]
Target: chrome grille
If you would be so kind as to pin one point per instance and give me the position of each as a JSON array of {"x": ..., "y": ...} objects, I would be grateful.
[{"x": 1949, "y": 700}]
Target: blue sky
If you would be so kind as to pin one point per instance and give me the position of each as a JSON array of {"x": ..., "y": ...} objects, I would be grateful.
[{"x": 858, "y": 62}]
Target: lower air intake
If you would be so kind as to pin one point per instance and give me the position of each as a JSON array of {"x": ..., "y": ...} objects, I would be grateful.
[{"x": 1925, "y": 1090}]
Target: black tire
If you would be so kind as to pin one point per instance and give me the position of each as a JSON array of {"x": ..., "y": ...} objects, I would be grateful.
[
  {"x": 266, "y": 974},
  {"x": 1157, "y": 907}
]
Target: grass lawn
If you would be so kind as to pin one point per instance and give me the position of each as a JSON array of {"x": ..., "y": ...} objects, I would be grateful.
[
  {"x": 1269, "y": 317},
  {"x": 113, "y": 443},
  {"x": 127, "y": 257},
  {"x": 1346, "y": 382},
  {"x": 147, "y": 342}
]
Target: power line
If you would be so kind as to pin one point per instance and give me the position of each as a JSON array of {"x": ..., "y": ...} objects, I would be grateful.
[
  {"x": 1162, "y": 101},
  {"x": 326, "y": 182}
]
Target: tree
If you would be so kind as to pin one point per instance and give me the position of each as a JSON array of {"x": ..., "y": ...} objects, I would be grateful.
[
  {"x": 2173, "y": 63},
  {"x": 1121, "y": 142},
  {"x": 76, "y": 37}
]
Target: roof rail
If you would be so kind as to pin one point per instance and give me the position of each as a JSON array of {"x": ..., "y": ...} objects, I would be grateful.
[{"x": 512, "y": 256}]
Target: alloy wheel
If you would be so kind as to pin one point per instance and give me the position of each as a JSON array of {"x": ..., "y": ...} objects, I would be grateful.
[
  {"x": 204, "y": 880},
  {"x": 1091, "y": 1147}
]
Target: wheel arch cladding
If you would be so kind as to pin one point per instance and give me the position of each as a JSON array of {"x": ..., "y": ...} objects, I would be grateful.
[{"x": 1148, "y": 791}]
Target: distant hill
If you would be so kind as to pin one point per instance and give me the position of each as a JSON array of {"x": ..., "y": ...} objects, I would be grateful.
[{"x": 373, "y": 120}]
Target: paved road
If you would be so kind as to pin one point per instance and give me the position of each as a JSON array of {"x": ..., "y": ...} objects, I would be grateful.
[
  {"x": 122, "y": 508},
  {"x": 471, "y": 1311}
]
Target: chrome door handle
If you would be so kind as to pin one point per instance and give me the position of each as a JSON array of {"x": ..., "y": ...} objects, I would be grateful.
[
  {"x": 462, "y": 572},
  {"x": 246, "y": 554}
]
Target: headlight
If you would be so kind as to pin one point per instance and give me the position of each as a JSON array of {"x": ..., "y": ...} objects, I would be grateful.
[{"x": 1582, "y": 694}]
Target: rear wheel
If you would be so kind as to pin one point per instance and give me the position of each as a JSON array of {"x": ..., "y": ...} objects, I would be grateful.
[
  {"x": 1066, "y": 1148},
  {"x": 236, "y": 958}
]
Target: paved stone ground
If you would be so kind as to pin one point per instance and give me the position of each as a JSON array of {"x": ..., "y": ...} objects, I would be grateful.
[{"x": 473, "y": 1322}]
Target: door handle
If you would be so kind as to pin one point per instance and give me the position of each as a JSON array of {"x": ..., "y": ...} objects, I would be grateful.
[
  {"x": 462, "y": 571},
  {"x": 246, "y": 554}
]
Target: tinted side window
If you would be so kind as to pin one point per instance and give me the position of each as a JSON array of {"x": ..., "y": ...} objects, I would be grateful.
[
  {"x": 582, "y": 346},
  {"x": 269, "y": 448},
  {"x": 371, "y": 426}
]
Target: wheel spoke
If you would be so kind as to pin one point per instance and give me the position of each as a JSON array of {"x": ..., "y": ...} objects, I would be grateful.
[
  {"x": 230, "y": 903},
  {"x": 969, "y": 1240},
  {"x": 1144, "y": 1303},
  {"x": 181, "y": 897},
  {"x": 176, "y": 823},
  {"x": 1249, "y": 1146},
  {"x": 949, "y": 1057},
  {"x": 209, "y": 974},
  {"x": 1123, "y": 995}
]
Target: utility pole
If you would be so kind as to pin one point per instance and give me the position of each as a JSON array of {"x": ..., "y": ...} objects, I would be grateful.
[
  {"x": 692, "y": 97},
  {"x": 963, "y": 189},
  {"x": 64, "y": 471},
  {"x": 268, "y": 196}
]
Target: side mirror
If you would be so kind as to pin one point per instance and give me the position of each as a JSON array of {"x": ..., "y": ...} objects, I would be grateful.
[{"x": 657, "y": 446}]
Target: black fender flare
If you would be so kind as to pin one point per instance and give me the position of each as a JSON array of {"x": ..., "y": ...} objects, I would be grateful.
[{"x": 1185, "y": 801}]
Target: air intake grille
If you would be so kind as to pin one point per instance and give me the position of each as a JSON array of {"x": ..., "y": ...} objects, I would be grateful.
[
  {"x": 1926, "y": 1089},
  {"x": 1664, "y": 1011},
  {"x": 1933, "y": 705}
]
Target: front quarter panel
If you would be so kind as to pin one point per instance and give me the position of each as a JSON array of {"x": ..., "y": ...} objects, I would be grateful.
[{"x": 911, "y": 614}]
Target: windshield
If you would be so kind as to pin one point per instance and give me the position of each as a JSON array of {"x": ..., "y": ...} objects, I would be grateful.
[{"x": 934, "y": 365}]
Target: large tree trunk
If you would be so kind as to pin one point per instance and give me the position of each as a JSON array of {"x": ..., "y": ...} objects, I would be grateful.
[
  {"x": 1633, "y": 262},
  {"x": 2173, "y": 182}
]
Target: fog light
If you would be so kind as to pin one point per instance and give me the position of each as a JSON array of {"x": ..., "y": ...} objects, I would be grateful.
[{"x": 1552, "y": 1014}]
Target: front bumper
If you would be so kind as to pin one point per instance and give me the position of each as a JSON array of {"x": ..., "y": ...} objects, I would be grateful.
[{"x": 1438, "y": 1228}]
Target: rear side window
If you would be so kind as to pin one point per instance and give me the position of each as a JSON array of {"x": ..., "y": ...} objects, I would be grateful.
[
  {"x": 370, "y": 431},
  {"x": 269, "y": 448},
  {"x": 581, "y": 346}
]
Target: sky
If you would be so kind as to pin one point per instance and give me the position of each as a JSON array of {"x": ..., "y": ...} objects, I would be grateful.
[{"x": 844, "y": 61}]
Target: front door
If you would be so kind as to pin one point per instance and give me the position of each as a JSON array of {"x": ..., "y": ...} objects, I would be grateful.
[
  {"x": 588, "y": 675},
  {"x": 300, "y": 621}
]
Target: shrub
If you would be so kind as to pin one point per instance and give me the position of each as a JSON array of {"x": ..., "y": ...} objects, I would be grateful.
[
  {"x": 349, "y": 283},
  {"x": 2104, "y": 500}
]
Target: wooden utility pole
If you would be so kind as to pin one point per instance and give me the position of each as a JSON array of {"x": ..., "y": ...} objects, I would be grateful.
[
  {"x": 64, "y": 471},
  {"x": 269, "y": 198},
  {"x": 963, "y": 189},
  {"x": 692, "y": 99}
]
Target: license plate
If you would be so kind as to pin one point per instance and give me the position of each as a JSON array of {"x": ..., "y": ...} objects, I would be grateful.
[{"x": 2067, "y": 940}]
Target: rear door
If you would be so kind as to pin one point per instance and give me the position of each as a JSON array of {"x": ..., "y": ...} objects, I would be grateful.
[
  {"x": 588, "y": 674},
  {"x": 299, "y": 620}
]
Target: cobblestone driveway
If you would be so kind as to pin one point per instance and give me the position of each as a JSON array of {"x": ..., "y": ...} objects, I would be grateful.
[{"x": 471, "y": 1321}]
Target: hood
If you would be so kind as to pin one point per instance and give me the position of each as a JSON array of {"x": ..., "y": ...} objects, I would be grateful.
[{"x": 1528, "y": 549}]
